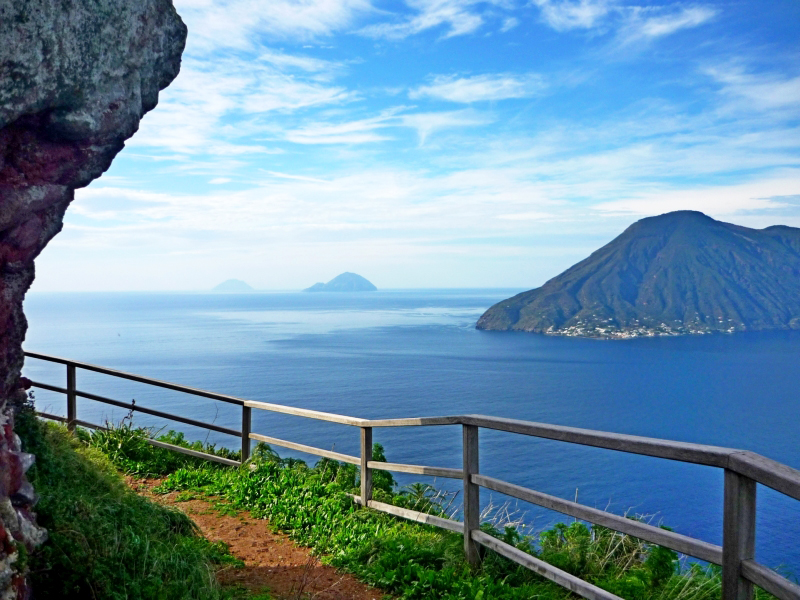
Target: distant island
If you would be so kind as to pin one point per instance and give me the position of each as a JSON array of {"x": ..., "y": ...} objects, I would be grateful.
[
  {"x": 346, "y": 282},
  {"x": 233, "y": 286},
  {"x": 678, "y": 273}
]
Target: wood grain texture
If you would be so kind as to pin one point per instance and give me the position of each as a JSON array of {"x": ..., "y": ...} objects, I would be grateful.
[
  {"x": 414, "y": 515},
  {"x": 72, "y": 399},
  {"x": 415, "y": 422},
  {"x": 310, "y": 414},
  {"x": 472, "y": 497},
  {"x": 417, "y": 469},
  {"x": 738, "y": 535},
  {"x": 769, "y": 580},
  {"x": 353, "y": 460},
  {"x": 159, "y": 413},
  {"x": 656, "y": 535},
  {"x": 365, "y": 459},
  {"x": 767, "y": 472},
  {"x": 139, "y": 378},
  {"x": 247, "y": 423},
  {"x": 714, "y": 456},
  {"x": 203, "y": 455},
  {"x": 554, "y": 574}
]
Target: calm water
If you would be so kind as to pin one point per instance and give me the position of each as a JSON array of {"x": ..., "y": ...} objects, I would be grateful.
[{"x": 393, "y": 354}]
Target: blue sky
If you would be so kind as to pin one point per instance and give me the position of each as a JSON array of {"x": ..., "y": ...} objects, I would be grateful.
[{"x": 438, "y": 143}]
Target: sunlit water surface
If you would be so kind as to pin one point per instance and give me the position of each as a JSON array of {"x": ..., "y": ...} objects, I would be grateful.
[{"x": 417, "y": 353}]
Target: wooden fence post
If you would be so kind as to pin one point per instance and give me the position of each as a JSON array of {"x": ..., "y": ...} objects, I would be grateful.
[
  {"x": 738, "y": 535},
  {"x": 246, "y": 426},
  {"x": 366, "y": 472},
  {"x": 72, "y": 398},
  {"x": 472, "y": 508}
]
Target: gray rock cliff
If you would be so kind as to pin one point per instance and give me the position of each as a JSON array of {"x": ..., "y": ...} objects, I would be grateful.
[{"x": 76, "y": 77}]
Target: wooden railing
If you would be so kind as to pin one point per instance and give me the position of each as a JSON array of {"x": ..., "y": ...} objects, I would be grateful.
[{"x": 743, "y": 470}]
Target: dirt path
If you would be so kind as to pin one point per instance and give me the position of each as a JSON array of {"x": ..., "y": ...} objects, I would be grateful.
[{"x": 272, "y": 561}]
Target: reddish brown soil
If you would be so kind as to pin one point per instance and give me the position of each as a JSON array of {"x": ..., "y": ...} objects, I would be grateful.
[{"x": 272, "y": 561}]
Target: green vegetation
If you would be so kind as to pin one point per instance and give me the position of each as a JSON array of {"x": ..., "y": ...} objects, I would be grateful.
[
  {"x": 113, "y": 544},
  {"x": 104, "y": 540},
  {"x": 408, "y": 559}
]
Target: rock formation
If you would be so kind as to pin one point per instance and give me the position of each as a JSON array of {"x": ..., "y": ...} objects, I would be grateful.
[{"x": 76, "y": 76}]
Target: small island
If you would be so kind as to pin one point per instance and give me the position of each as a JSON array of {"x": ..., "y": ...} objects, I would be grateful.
[
  {"x": 233, "y": 286},
  {"x": 678, "y": 273},
  {"x": 346, "y": 282}
]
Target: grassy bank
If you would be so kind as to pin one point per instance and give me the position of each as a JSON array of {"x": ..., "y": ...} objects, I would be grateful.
[
  {"x": 407, "y": 559},
  {"x": 112, "y": 544},
  {"x": 104, "y": 540}
]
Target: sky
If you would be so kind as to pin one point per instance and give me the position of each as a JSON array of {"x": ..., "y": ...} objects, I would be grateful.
[{"x": 438, "y": 143}]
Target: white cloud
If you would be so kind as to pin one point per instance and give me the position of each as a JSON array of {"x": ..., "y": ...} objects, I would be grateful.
[
  {"x": 428, "y": 123},
  {"x": 509, "y": 24},
  {"x": 459, "y": 16},
  {"x": 220, "y": 180},
  {"x": 721, "y": 201},
  {"x": 351, "y": 132},
  {"x": 631, "y": 21},
  {"x": 215, "y": 24},
  {"x": 363, "y": 131},
  {"x": 640, "y": 25},
  {"x": 480, "y": 88},
  {"x": 759, "y": 92},
  {"x": 192, "y": 112},
  {"x": 562, "y": 15}
]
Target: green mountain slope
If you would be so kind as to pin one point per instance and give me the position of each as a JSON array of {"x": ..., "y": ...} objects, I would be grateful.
[{"x": 682, "y": 272}]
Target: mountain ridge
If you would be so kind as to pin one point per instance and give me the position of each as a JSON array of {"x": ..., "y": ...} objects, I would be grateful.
[{"x": 681, "y": 272}]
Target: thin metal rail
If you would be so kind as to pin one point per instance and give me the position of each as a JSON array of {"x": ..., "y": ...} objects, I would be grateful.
[{"x": 743, "y": 470}]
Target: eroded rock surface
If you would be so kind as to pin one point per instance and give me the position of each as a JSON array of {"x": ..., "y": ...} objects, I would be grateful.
[{"x": 76, "y": 76}]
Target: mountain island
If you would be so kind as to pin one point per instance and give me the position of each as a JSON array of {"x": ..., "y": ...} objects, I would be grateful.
[
  {"x": 678, "y": 273},
  {"x": 346, "y": 282},
  {"x": 233, "y": 286}
]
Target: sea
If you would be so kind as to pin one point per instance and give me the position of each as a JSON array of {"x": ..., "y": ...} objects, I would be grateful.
[{"x": 411, "y": 353}]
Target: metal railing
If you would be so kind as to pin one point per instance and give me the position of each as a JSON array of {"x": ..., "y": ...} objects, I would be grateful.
[{"x": 742, "y": 469}]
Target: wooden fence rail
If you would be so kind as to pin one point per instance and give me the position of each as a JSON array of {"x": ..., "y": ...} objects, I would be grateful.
[{"x": 742, "y": 470}]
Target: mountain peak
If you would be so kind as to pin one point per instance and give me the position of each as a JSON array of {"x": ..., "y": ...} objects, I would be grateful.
[
  {"x": 346, "y": 282},
  {"x": 681, "y": 272}
]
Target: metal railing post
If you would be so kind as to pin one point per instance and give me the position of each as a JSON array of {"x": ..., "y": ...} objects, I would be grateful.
[
  {"x": 366, "y": 472},
  {"x": 738, "y": 535},
  {"x": 72, "y": 398},
  {"x": 246, "y": 426},
  {"x": 472, "y": 508}
]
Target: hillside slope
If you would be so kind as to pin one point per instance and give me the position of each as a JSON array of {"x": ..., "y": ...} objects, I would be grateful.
[{"x": 682, "y": 272}]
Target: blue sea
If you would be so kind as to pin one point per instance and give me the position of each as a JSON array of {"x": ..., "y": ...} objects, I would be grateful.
[{"x": 417, "y": 353}]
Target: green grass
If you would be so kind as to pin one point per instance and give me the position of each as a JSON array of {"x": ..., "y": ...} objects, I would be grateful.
[
  {"x": 407, "y": 559},
  {"x": 111, "y": 542},
  {"x": 104, "y": 540}
]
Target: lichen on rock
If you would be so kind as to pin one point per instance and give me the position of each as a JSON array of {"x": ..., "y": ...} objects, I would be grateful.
[{"x": 76, "y": 77}]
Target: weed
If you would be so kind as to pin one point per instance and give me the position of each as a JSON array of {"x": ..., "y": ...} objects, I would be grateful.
[{"x": 104, "y": 540}]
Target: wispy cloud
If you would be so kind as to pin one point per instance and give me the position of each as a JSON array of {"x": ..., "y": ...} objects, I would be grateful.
[
  {"x": 479, "y": 88},
  {"x": 643, "y": 24},
  {"x": 427, "y": 123},
  {"x": 459, "y": 17},
  {"x": 757, "y": 91},
  {"x": 351, "y": 132},
  {"x": 563, "y": 15},
  {"x": 369, "y": 130},
  {"x": 192, "y": 113},
  {"x": 631, "y": 22},
  {"x": 216, "y": 24}
]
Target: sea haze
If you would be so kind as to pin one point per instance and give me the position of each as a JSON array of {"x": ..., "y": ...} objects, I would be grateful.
[{"x": 417, "y": 353}]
